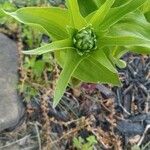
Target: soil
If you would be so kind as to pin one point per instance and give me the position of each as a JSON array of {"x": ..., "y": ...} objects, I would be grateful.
[{"x": 119, "y": 117}]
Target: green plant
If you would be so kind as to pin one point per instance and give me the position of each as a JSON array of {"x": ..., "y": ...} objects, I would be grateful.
[
  {"x": 145, "y": 147},
  {"x": 81, "y": 144},
  {"x": 89, "y": 40},
  {"x": 34, "y": 71},
  {"x": 31, "y": 38},
  {"x": 7, "y": 6}
]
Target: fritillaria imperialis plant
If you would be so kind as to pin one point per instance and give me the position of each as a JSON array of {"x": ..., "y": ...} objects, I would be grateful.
[{"x": 89, "y": 37}]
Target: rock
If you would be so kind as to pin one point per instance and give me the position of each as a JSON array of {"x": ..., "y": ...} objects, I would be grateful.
[
  {"x": 129, "y": 128},
  {"x": 105, "y": 91},
  {"x": 11, "y": 107}
]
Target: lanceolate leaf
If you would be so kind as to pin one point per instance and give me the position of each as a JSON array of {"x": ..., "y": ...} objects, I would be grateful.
[
  {"x": 134, "y": 24},
  {"x": 88, "y": 6},
  {"x": 146, "y": 10},
  {"x": 142, "y": 19},
  {"x": 98, "y": 3},
  {"x": 118, "y": 13},
  {"x": 146, "y": 7},
  {"x": 54, "y": 46},
  {"x": 101, "y": 13},
  {"x": 120, "y": 2},
  {"x": 147, "y": 15},
  {"x": 129, "y": 35},
  {"x": 100, "y": 56},
  {"x": 126, "y": 34},
  {"x": 139, "y": 50},
  {"x": 137, "y": 18},
  {"x": 53, "y": 20},
  {"x": 76, "y": 19},
  {"x": 118, "y": 52},
  {"x": 91, "y": 70},
  {"x": 120, "y": 63},
  {"x": 71, "y": 63},
  {"x": 124, "y": 41}
]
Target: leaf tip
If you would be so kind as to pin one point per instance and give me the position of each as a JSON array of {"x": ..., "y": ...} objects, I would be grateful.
[
  {"x": 25, "y": 52},
  {"x": 56, "y": 101},
  {"x": 54, "y": 105}
]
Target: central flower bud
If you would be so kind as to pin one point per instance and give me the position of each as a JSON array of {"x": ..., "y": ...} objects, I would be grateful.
[{"x": 85, "y": 40}]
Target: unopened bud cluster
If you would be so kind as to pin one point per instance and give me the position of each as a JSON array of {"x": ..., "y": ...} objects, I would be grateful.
[{"x": 85, "y": 40}]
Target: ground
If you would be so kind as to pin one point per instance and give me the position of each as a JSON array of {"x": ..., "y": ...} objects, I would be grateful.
[{"x": 118, "y": 117}]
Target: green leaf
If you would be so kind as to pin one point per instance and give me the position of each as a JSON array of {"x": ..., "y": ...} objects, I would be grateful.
[
  {"x": 136, "y": 147},
  {"x": 118, "y": 13},
  {"x": 100, "y": 56},
  {"x": 147, "y": 15},
  {"x": 120, "y": 2},
  {"x": 88, "y": 6},
  {"x": 54, "y": 46},
  {"x": 77, "y": 143},
  {"x": 146, "y": 7},
  {"x": 71, "y": 31},
  {"x": 134, "y": 25},
  {"x": 129, "y": 35},
  {"x": 77, "y": 20},
  {"x": 101, "y": 13},
  {"x": 124, "y": 41},
  {"x": 115, "y": 58},
  {"x": 137, "y": 19},
  {"x": 53, "y": 20},
  {"x": 84, "y": 7},
  {"x": 71, "y": 62},
  {"x": 146, "y": 10},
  {"x": 120, "y": 63},
  {"x": 118, "y": 51},
  {"x": 91, "y": 70},
  {"x": 2, "y": 14},
  {"x": 98, "y": 3},
  {"x": 139, "y": 50},
  {"x": 38, "y": 68},
  {"x": 91, "y": 140},
  {"x": 126, "y": 34}
]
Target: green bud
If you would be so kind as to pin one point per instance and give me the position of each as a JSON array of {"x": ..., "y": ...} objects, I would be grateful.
[{"x": 85, "y": 40}]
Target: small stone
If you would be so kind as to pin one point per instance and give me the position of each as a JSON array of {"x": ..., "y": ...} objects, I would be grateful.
[
  {"x": 105, "y": 91},
  {"x": 130, "y": 128},
  {"x": 11, "y": 107}
]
